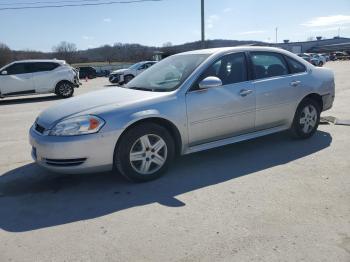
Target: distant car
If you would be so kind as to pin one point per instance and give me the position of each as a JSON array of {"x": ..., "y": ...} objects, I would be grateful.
[
  {"x": 102, "y": 73},
  {"x": 340, "y": 56},
  {"x": 321, "y": 60},
  {"x": 123, "y": 76},
  {"x": 37, "y": 77},
  {"x": 326, "y": 56},
  {"x": 309, "y": 58},
  {"x": 186, "y": 103},
  {"x": 87, "y": 72}
]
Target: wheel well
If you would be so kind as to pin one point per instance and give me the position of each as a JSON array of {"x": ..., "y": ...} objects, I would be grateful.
[
  {"x": 317, "y": 98},
  {"x": 172, "y": 129},
  {"x": 129, "y": 75}
]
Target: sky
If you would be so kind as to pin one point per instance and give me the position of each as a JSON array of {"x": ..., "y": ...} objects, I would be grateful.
[{"x": 175, "y": 21}]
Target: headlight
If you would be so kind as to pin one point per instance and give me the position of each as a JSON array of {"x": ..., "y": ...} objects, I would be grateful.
[{"x": 80, "y": 125}]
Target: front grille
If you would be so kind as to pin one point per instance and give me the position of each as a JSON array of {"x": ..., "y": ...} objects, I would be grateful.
[
  {"x": 40, "y": 129},
  {"x": 65, "y": 162}
]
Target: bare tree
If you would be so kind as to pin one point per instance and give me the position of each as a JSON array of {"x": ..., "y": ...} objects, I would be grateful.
[
  {"x": 66, "y": 51},
  {"x": 5, "y": 54}
]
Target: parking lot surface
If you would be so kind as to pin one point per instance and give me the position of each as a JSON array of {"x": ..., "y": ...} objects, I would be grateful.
[{"x": 269, "y": 199}]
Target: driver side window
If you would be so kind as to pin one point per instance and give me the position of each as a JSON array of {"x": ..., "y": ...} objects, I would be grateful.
[
  {"x": 16, "y": 69},
  {"x": 230, "y": 69}
]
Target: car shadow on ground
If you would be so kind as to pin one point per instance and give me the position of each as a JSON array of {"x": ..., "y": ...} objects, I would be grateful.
[
  {"x": 26, "y": 100},
  {"x": 32, "y": 198}
]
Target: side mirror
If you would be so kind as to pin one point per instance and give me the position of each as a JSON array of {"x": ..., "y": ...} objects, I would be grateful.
[
  {"x": 4, "y": 72},
  {"x": 209, "y": 82}
]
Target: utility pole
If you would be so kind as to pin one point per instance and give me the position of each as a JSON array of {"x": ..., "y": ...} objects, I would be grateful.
[
  {"x": 203, "y": 23},
  {"x": 276, "y": 34}
]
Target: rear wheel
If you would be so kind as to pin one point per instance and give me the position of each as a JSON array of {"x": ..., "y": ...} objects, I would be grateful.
[
  {"x": 144, "y": 152},
  {"x": 320, "y": 64},
  {"x": 64, "y": 89},
  {"x": 306, "y": 119}
]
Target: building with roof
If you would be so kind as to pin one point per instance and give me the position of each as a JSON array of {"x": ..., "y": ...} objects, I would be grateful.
[{"x": 316, "y": 46}]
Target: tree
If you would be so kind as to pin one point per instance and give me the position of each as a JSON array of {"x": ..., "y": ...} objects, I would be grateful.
[
  {"x": 167, "y": 44},
  {"x": 5, "y": 54},
  {"x": 66, "y": 51}
]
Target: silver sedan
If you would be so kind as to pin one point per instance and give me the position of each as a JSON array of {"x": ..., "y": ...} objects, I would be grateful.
[{"x": 186, "y": 103}]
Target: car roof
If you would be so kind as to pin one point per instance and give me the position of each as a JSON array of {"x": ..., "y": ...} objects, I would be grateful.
[
  {"x": 41, "y": 61},
  {"x": 212, "y": 51}
]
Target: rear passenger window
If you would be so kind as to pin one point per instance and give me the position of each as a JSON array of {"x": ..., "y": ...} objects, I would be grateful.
[
  {"x": 230, "y": 69},
  {"x": 294, "y": 66},
  {"x": 268, "y": 64},
  {"x": 43, "y": 66}
]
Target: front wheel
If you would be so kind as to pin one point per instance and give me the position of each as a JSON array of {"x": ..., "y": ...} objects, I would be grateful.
[
  {"x": 128, "y": 78},
  {"x": 64, "y": 89},
  {"x": 144, "y": 152},
  {"x": 306, "y": 119}
]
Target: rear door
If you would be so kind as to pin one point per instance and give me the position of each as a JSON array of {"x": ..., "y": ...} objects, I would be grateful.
[
  {"x": 44, "y": 76},
  {"x": 224, "y": 111},
  {"x": 17, "y": 81},
  {"x": 275, "y": 90}
]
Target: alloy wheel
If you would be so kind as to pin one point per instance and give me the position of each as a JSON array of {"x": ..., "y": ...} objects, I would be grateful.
[
  {"x": 148, "y": 154},
  {"x": 308, "y": 119},
  {"x": 65, "y": 89}
]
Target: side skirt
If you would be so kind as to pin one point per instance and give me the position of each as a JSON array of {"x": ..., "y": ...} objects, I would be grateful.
[
  {"x": 20, "y": 93},
  {"x": 233, "y": 140}
]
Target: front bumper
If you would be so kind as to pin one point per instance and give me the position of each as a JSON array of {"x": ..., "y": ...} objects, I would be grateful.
[
  {"x": 327, "y": 100},
  {"x": 74, "y": 154},
  {"x": 116, "y": 79}
]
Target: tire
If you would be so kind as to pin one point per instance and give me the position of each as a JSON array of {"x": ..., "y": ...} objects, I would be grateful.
[
  {"x": 128, "y": 78},
  {"x": 306, "y": 119},
  {"x": 144, "y": 152},
  {"x": 320, "y": 64},
  {"x": 64, "y": 89}
]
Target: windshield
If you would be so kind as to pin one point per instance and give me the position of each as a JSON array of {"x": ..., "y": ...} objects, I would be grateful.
[
  {"x": 135, "y": 66},
  {"x": 168, "y": 74}
]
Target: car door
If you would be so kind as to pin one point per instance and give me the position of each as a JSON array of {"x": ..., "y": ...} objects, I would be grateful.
[
  {"x": 43, "y": 76},
  {"x": 16, "y": 79},
  {"x": 225, "y": 111},
  {"x": 275, "y": 93}
]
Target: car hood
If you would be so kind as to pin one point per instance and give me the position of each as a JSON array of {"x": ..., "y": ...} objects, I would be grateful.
[
  {"x": 92, "y": 103},
  {"x": 119, "y": 71}
]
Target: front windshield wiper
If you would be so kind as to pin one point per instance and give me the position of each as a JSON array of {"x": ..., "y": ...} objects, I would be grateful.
[
  {"x": 148, "y": 89},
  {"x": 139, "y": 88}
]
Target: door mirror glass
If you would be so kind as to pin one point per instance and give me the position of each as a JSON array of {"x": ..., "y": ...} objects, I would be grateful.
[
  {"x": 4, "y": 72},
  {"x": 209, "y": 82}
]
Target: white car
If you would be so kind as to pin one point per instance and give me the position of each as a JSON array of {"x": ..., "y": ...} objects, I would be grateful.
[
  {"x": 123, "y": 76},
  {"x": 320, "y": 58},
  {"x": 29, "y": 77}
]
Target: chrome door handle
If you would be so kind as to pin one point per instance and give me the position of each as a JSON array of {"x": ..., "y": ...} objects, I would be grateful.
[
  {"x": 295, "y": 83},
  {"x": 245, "y": 92}
]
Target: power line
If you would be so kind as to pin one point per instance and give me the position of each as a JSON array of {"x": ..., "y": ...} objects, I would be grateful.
[
  {"x": 77, "y": 5},
  {"x": 48, "y": 2}
]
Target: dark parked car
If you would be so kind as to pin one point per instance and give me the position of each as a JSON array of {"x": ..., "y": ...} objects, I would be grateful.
[
  {"x": 339, "y": 56},
  {"x": 87, "y": 71},
  {"x": 103, "y": 73}
]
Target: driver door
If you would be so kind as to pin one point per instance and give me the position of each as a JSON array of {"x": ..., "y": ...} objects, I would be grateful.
[
  {"x": 225, "y": 111},
  {"x": 17, "y": 80}
]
